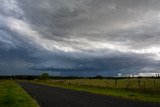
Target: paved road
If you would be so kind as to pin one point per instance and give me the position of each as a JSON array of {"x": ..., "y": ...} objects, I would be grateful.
[{"x": 48, "y": 96}]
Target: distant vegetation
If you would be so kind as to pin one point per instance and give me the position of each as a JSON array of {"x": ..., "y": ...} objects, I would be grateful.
[
  {"x": 33, "y": 77},
  {"x": 12, "y": 95}
]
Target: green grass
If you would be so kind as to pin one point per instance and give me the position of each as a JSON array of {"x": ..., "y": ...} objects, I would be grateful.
[
  {"x": 12, "y": 95},
  {"x": 145, "y": 90}
]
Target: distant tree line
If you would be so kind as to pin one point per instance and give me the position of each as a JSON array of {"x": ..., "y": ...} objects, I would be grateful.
[
  {"x": 20, "y": 77},
  {"x": 45, "y": 76},
  {"x": 41, "y": 77}
]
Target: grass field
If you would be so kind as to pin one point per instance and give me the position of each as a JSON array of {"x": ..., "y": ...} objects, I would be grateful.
[
  {"x": 140, "y": 89},
  {"x": 12, "y": 95}
]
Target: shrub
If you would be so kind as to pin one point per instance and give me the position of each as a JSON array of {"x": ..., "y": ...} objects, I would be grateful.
[{"x": 44, "y": 76}]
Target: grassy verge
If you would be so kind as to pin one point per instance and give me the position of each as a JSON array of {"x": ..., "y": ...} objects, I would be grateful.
[
  {"x": 136, "y": 94},
  {"x": 12, "y": 95}
]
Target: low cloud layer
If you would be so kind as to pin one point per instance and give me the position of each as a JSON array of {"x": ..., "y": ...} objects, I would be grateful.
[{"x": 79, "y": 37}]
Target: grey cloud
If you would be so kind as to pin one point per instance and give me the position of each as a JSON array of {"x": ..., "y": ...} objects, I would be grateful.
[{"x": 93, "y": 19}]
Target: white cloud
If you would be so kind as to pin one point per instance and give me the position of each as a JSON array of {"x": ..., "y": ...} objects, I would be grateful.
[{"x": 11, "y": 7}]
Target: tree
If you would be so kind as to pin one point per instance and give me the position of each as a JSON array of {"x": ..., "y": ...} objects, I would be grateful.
[
  {"x": 44, "y": 76},
  {"x": 98, "y": 77}
]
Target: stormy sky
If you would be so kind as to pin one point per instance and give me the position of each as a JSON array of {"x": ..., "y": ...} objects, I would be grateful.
[{"x": 79, "y": 37}]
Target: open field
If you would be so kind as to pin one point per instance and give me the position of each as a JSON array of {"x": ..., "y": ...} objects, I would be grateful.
[
  {"x": 139, "y": 89},
  {"x": 12, "y": 95}
]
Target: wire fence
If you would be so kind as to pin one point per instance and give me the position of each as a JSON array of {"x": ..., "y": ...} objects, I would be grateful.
[{"x": 113, "y": 83}]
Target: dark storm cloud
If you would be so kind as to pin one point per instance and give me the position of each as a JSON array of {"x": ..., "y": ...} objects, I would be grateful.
[
  {"x": 80, "y": 36},
  {"x": 125, "y": 64}
]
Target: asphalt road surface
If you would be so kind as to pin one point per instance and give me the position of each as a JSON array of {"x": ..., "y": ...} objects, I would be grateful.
[{"x": 48, "y": 96}]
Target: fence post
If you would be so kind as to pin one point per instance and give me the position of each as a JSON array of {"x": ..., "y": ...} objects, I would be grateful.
[
  {"x": 129, "y": 83},
  {"x": 106, "y": 84},
  {"x": 139, "y": 83},
  {"x": 154, "y": 83},
  {"x": 116, "y": 82},
  {"x": 69, "y": 83},
  {"x": 144, "y": 84},
  {"x": 126, "y": 83}
]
